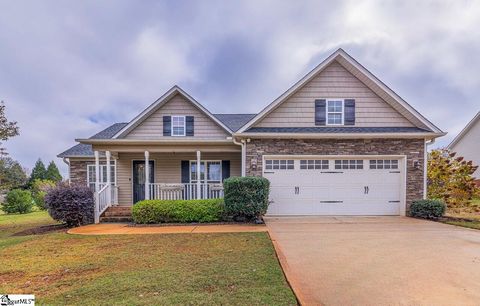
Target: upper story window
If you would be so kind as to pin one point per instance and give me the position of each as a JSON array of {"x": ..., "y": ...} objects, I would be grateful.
[
  {"x": 335, "y": 112},
  {"x": 178, "y": 125}
]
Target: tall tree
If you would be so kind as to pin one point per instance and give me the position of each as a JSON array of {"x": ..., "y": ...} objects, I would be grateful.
[
  {"x": 8, "y": 129},
  {"x": 12, "y": 175},
  {"x": 450, "y": 178},
  {"x": 52, "y": 172},
  {"x": 38, "y": 173}
]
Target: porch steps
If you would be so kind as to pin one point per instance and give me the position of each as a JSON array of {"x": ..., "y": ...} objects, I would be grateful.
[{"x": 117, "y": 214}]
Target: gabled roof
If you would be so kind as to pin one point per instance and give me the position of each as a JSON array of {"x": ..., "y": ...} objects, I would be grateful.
[
  {"x": 234, "y": 121},
  {"x": 85, "y": 150},
  {"x": 349, "y": 63},
  {"x": 464, "y": 131},
  {"x": 159, "y": 103}
]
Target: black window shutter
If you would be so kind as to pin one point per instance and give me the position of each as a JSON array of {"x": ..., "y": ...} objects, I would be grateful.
[
  {"x": 189, "y": 120},
  {"x": 167, "y": 126},
  {"x": 320, "y": 112},
  {"x": 185, "y": 171},
  {"x": 349, "y": 112},
  {"x": 225, "y": 169}
]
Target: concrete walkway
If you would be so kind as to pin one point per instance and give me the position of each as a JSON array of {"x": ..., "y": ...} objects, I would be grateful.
[
  {"x": 378, "y": 260},
  {"x": 122, "y": 228}
]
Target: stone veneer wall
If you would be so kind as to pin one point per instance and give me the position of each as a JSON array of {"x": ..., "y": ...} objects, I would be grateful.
[
  {"x": 412, "y": 148},
  {"x": 78, "y": 171}
]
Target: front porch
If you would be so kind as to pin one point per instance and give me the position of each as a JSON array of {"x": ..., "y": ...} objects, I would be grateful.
[{"x": 171, "y": 175}]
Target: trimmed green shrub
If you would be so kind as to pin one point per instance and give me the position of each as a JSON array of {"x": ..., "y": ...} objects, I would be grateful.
[
  {"x": 427, "y": 209},
  {"x": 18, "y": 201},
  {"x": 40, "y": 189},
  {"x": 162, "y": 211},
  {"x": 72, "y": 205},
  {"x": 246, "y": 197}
]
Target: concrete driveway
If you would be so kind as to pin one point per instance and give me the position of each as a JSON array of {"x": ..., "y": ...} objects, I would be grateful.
[{"x": 378, "y": 260}]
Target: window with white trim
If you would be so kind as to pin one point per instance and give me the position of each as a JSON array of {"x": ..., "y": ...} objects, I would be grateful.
[
  {"x": 279, "y": 164},
  {"x": 213, "y": 167},
  {"x": 314, "y": 164},
  {"x": 349, "y": 164},
  {"x": 383, "y": 164},
  {"x": 178, "y": 125},
  {"x": 103, "y": 175},
  {"x": 335, "y": 112}
]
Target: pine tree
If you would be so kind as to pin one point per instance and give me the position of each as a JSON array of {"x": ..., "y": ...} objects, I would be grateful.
[
  {"x": 38, "y": 173},
  {"x": 52, "y": 172},
  {"x": 12, "y": 175}
]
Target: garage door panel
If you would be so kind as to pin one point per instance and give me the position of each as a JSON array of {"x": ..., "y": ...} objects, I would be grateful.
[{"x": 358, "y": 190}]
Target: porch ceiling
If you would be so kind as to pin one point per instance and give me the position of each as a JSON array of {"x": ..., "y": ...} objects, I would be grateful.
[{"x": 163, "y": 145}]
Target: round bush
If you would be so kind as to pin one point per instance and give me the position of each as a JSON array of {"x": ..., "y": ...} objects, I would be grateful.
[
  {"x": 246, "y": 197},
  {"x": 72, "y": 205},
  {"x": 160, "y": 211},
  {"x": 427, "y": 209},
  {"x": 18, "y": 201}
]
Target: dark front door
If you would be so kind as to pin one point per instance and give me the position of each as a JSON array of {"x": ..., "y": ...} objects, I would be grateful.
[{"x": 139, "y": 179}]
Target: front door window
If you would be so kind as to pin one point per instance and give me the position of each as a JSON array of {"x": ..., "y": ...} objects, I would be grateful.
[{"x": 139, "y": 179}]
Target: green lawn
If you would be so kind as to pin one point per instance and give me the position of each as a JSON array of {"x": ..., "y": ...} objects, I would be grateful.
[{"x": 206, "y": 269}]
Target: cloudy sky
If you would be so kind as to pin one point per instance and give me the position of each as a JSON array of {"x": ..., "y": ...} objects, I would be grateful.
[{"x": 70, "y": 68}]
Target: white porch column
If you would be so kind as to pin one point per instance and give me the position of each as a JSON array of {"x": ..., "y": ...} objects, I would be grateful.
[
  {"x": 97, "y": 186},
  {"x": 199, "y": 177},
  {"x": 115, "y": 183},
  {"x": 244, "y": 157},
  {"x": 109, "y": 178},
  {"x": 147, "y": 176}
]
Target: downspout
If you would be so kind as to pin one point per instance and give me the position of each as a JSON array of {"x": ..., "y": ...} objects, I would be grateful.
[
  {"x": 67, "y": 161},
  {"x": 425, "y": 162},
  {"x": 244, "y": 153}
]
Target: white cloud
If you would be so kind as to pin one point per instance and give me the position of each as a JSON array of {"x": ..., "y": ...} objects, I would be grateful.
[{"x": 71, "y": 70}]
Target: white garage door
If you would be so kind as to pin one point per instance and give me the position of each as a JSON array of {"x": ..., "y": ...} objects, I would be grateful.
[{"x": 334, "y": 186}]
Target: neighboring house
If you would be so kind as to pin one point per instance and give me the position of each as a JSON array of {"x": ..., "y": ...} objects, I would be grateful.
[
  {"x": 338, "y": 142},
  {"x": 467, "y": 143}
]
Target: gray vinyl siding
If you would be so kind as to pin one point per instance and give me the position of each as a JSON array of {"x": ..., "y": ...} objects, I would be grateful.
[
  {"x": 334, "y": 82},
  {"x": 167, "y": 168},
  {"x": 152, "y": 127}
]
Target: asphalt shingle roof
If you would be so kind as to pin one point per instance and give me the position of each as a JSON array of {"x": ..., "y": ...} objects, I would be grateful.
[
  {"x": 234, "y": 121},
  {"x": 85, "y": 150},
  {"x": 329, "y": 129}
]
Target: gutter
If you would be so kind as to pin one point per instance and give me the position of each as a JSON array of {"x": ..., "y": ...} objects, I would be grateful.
[
  {"x": 243, "y": 145},
  {"x": 67, "y": 161},
  {"x": 339, "y": 135},
  {"x": 203, "y": 141}
]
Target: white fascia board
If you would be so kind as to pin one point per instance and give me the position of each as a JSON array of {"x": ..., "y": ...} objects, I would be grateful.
[
  {"x": 338, "y": 135},
  {"x": 176, "y": 140}
]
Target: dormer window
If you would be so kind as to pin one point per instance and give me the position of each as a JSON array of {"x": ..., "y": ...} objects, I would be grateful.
[
  {"x": 178, "y": 125},
  {"x": 334, "y": 112}
]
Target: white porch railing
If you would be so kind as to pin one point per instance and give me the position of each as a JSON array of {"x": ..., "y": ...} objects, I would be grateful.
[
  {"x": 188, "y": 191},
  {"x": 103, "y": 200}
]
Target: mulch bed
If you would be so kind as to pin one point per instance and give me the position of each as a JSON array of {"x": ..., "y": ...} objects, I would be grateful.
[
  {"x": 456, "y": 219},
  {"x": 194, "y": 224},
  {"x": 42, "y": 230}
]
